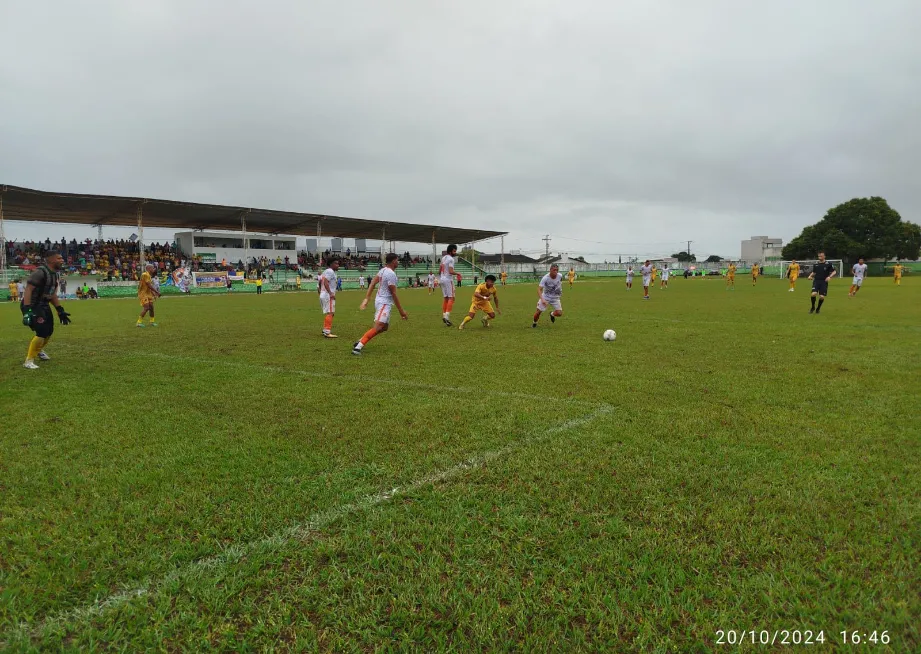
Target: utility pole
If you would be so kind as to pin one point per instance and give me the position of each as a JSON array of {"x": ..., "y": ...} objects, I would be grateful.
[
  {"x": 546, "y": 240},
  {"x": 689, "y": 249}
]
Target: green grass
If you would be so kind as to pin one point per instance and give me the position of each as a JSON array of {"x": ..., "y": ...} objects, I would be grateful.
[{"x": 231, "y": 480}]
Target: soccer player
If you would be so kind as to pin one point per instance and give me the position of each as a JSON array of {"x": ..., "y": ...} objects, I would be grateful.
[
  {"x": 755, "y": 270},
  {"x": 14, "y": 290},
  {"x": 897, "y": 274},
  {"x": 860, "y": 271},
  {"x": 731, "y": 276},
  {"x": 386, "y": 281},
  {"x": 629, "y": 277},
  {"x": 447, "y": 275},
  {"x": 571, "y": 276},
  {"x": 361, "y": 281},
  {"x": 39, "y": 296},
  {"x": 647, "y": 270},
  {"x": 20, "y": 289},
  {"x": 821, "y": 273},
  {"x": 430, "y": 282},
  {"x": 504, "y": 277},
  {"x": 147, "y": 293},
  {"x": 482, "y": 296},
  {"x": 259, "y": 284},
  {"x": 549, "y": 292},
  {"x": 328, "y": 296},
  {"x": 793, "y": 274},
  {"x": 297, "y": 281},
  {"x": 664, "y": 283}
]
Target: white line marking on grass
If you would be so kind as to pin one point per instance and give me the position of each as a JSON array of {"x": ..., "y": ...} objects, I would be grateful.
[
  {"x": 300, "y": 531},
  {"x": 401, "y": 383}
]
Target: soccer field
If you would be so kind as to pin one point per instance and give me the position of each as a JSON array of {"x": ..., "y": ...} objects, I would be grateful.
[{"x": 230, "y": 479}]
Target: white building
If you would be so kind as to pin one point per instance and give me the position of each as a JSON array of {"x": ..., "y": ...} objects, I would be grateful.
[
  {"x": 213, "y": 247},
  {"x": 761, "y": 248}
]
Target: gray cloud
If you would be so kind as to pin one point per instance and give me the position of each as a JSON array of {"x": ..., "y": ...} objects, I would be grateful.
[{"x": 635, "y": 124}]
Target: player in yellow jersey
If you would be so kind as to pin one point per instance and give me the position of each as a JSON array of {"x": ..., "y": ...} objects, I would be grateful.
[
  {"x": 755, "y": 270},
  {"x": 731, "y": 276},
  {"x": 793, "y": 274},
  {"x": 897, "y": 274},
  {"x": 571, "y": 276},
  {"x": 147, "y": 293},
  {"x": 14, "y": 291},
  {"x": 483, "y": 297},
  {"x": 504, "y": 277}
]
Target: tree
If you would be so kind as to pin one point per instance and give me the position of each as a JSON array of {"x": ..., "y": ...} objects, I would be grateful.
[
  {"x": 862, "y": 227},
  {"x": 714, "y": 258},
  {"x": 684, "y": 257}
]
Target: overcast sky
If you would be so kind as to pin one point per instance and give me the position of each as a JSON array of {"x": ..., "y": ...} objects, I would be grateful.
[{"x": 616, "y": 127}]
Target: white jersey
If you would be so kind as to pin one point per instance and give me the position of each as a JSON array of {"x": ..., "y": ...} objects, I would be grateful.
[
  {"x": 665, "y": 274},
  {"x": 330, "y": 276},
  {"x": 386, "y": 278},
  {"x": 20, "y": 288},
  {"x": 860, "y": 270},
  {"x": 447, "y": 264},
  {"x": 155, "y": 282},
  {"x": 361, "y": 282},
  {"x": 431, "y": 281},
  {"x": 646, "y": 271},
  {"x": 553, "y": 288},
  {"x": 629, "y": 273}
]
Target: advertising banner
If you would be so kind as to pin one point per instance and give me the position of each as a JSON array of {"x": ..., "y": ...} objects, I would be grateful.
[{"x": 210, "y": 279}]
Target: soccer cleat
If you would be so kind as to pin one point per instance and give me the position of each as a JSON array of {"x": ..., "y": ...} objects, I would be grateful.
[
  {"x": 485, "y": 322},
  {"x": 152, "y": 324},
  {"x": 30, "y": 365},
  {"x": 552, "y": 318},
  {"x": 447, "y": 322},
  {"x": 533, "y": 324},
  {"x": 461, "y": 327},
  {"x": 812, "y": 310},
  {"x": 356, "y": 349},
  {"x": 818, "y": 311},
  {"x": 140, "y": 324},
  {"x": 43, "y": 356},
  {"x": 330, "y": 335}
]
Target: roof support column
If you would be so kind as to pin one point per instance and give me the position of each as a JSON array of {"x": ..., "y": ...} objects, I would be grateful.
[
  {"x": 319, "y": 235},
  {"x": 3, "y": 275},
  {"x": 434, "y": 250},
  {"x": 140, "y": 212},
  {"x": 383, "y": 244},
  {"x": 245, "y": 242},
  {"x": 502, "y": 256}
]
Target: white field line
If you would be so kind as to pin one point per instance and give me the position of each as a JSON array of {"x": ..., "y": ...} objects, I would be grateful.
[
  {"x": 399, "y": 383},
  {"x": 300, "y": 531}
]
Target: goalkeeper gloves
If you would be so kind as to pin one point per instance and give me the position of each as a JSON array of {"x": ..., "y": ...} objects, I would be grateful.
[
  {"x": 63, "y": 315},
  {"x": 27, "y": 317}
]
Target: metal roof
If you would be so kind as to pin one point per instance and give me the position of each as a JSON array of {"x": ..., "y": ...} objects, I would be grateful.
[{"x": 76, "y": 208}]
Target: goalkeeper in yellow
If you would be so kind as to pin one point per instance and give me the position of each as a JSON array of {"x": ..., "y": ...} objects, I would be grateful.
[
  {"x": 483, "y": 297},
  {"x": 793, "y": 274}
]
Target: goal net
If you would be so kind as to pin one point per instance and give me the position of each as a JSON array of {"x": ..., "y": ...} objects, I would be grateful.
[{"x": 805, "y": 267}]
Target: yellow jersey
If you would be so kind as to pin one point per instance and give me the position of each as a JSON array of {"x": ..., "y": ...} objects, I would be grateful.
[
  {"x": 897, "y": 270},
  {"x": 755, "y": 270},
  {"x": 793, "y": 270},
  {"x": 480, "y": 304},
  {"x": 571, "y": 275},
  {"x": 731, "y": 271},
  {"x": 145, "y": 288}
]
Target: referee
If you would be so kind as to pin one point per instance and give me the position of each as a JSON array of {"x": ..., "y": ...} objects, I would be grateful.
[
  {"x": 821, "y": 273},
  {"x": 42, "y": 292}
]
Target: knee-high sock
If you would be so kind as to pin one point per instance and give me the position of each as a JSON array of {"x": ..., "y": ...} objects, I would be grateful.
[
  {"x": 813, "y": 301},
  {"x": 35, "y": 346},
  {"x": 444, "y": 305},
  {"x": 371, "y": 333},
  {"x": 537, "y": 316},
  {"x": 821, "y": 301},
  {"x": 328, "y": 322},
  {"x": 450, "y": 304},
  {"x": 467, "y": 319}
]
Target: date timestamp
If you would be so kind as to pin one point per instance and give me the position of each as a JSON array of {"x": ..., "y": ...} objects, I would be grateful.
[{"x": 785, "y": 637}]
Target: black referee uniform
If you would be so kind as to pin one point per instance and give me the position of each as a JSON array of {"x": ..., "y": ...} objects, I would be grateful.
[{"x": 821, "y": 272}]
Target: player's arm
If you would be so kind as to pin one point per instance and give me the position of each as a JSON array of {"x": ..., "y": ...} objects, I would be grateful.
[
  {"x": 371, "y": 287},
  {"x": 833, "y": 273},
  {"x": 495, "y": 297},
  {"x": 396, "y": 301}
]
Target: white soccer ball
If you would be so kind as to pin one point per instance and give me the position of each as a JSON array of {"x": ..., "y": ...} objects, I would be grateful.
[{"x": 609, "y": 335}]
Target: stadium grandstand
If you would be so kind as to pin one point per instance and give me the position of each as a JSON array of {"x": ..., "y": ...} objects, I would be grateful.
[{"x": 111, "y": 267}]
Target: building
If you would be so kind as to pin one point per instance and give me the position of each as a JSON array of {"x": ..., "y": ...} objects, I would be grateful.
[
  {"x": 495, "y": 259},
  {"x": 762, "y": 248},
  {"x": 311, "y": 246},
  {"x": 214, "y": 247},
  {"x": 564, "y": 261}
]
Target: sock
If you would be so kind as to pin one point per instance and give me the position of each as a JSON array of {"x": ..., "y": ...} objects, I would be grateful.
[
  {"x": 537, "y": 316},
  {"x": 140, "y": 319},
  {"x": 328, "y": 323},
  {"x": 45, "y": 344},
  {"x": 466, "y": 320},
  {"x": 371, "y": 333},
  {"x": 821, "y": 301},
  {"x": 813, "y": 301},
  {"x": 450, "y": 305},
  {"x": 35, "y": 346},
  {"x": 444, "y": 306}
]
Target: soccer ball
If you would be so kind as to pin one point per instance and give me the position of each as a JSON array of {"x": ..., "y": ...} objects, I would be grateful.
[{"x": 609, "y": 335}]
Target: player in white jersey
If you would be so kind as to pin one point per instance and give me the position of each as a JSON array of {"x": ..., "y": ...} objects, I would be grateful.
[
  {"x": 361, "y": 281},
  {"x": 430, "y": 282},
  {"x": 327, "y": 290},
  {"x": 549, "y": 292},
  {"x": 386, "y": 281},
  {"x": 860, "y": 271},
  {"x": 446, "y": 278},
  {"x": 664, "y": 283},
  {"x": 629, "y": 277},
  {"x": 646, "y": 272}
]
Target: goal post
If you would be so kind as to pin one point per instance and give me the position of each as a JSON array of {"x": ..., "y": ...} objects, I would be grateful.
[{"x": 805, "y": 267}]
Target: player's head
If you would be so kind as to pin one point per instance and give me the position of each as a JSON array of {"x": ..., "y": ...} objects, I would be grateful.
[
  {"x": 334, "y": 263},
  {"x": 150, "y": 267},
  {"x": 54, "y": 260},
  {"x": 392, "y": 260},
  {"x": 822, "y": 257},
  {"x": 794, "y": 261},
  {"x": 452, "y": 249},
  {"x": 860, "y": 261},
  {"x": 647, "y": 262},
  {"x": 554, "y": 269},
  {"x": 490, "y": 281}
]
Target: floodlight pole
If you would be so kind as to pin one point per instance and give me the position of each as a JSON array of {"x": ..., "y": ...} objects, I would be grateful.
[
  {"x": 319, "y": 234},
  {"x": 434, "y": 251},
  {"x": 140, "y": 213},
  {"x": 502, "y": 255},
  {"x": 2, "y": 240}
]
